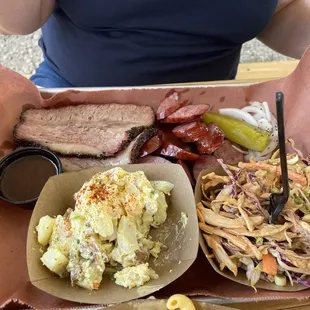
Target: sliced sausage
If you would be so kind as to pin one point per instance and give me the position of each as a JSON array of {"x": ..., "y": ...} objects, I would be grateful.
[
  {"x": 169, "y": 105},
  {"x": 229, "y": 155},
  {"x": 187, "y": 170},
  {"x": 191, "y": 132},
  {"x": 169, "y": 137},
  {"x": 212, "y": 141},
  {"x": 187, "y": 113},
  {"x": 149, "y": 159},
  {"x": 151, "y": 145},
  {"x": 204, "y": 162},
  {"x": 171, "y": 150}
]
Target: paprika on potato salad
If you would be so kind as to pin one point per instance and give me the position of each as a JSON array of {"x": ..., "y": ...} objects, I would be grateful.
[{"x": 107, "y": 231}]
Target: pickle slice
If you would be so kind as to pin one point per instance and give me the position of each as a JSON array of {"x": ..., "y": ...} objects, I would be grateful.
[{"x": 238, "y": 131}]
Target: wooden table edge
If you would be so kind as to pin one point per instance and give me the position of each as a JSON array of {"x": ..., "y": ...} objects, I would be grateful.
[{"x": 254, "y": 72}]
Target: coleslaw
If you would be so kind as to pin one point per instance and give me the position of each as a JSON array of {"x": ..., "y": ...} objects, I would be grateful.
[{"x": 234, "y": 219}]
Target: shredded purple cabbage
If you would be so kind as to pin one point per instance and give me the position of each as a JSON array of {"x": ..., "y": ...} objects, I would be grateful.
[
  {"x": 256, "y": 202},
  {"x": 300, "y": 280},
  {"x": 233, "y": 250},
  {"x": 233, "y": 190},
  {"x": 256, "y": 261},
  {"x": 229, "y": 173},
  {"x": 251, "y": 177},
  {"x": 265, "y": 278},
  {"x": 279, "y": 244},
  {"x": 238, "y": 174},
  {"x": 282, "y": 256},
  {"x": 248, "y": 212},
  {"x": 286, "y": 262},
  {"x": 235, "y": 181}
]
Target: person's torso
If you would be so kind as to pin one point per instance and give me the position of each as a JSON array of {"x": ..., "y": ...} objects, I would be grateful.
[{"x": 135, "y": 42}]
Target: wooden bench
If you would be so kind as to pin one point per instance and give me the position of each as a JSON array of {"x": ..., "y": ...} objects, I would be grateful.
[
  {"x": 258, "y": 72},
  {"x": 263, "y": 71},
  {"x": 254, "y": 72}
]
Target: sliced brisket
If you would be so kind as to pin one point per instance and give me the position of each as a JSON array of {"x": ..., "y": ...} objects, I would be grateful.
[
  {"x": 129, "y": 155},
  {"x": 88, "y": 130}
]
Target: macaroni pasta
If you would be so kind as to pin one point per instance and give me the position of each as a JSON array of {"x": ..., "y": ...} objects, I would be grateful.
[{"x": 179, "y": 301}]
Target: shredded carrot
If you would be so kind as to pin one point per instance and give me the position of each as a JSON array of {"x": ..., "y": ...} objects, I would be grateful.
[
  {"x": 270, "y": 265},
  {"x": 96, "y": 285}
]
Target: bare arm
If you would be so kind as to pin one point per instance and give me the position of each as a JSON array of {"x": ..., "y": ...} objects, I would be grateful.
[
  {"x": 24, "y": 16},
  {"x": 289, "y": 30}
]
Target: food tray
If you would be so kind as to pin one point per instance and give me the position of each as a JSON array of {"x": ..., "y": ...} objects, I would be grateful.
[{"x": 201, "y": 282}]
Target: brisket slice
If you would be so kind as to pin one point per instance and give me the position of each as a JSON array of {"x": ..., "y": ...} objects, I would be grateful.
[
  {"x": 88, "y": 130},
  {"x": 129, "y": 155}
]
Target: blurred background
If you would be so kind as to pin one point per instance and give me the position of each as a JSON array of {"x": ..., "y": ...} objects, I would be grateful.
[{"x": 22, "y": 54}]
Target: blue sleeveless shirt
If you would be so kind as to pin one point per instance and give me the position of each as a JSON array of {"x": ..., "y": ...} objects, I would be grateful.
[{"x": 143, "y": 42}]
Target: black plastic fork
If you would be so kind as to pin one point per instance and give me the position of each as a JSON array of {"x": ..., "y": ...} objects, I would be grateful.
[{"x": 278, "y": 200}]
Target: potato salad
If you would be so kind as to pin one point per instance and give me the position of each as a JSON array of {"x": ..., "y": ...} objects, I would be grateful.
[{"x": 107, "y": 232}]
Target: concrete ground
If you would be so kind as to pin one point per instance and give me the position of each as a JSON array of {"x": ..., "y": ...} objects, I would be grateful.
[{"x": 22, "y": 54}]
